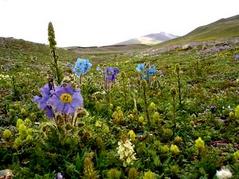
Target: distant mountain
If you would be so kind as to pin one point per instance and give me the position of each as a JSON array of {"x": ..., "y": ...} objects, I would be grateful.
[
  {"x": 150, "y": 39},
  {"x": 223, "y": 29}
]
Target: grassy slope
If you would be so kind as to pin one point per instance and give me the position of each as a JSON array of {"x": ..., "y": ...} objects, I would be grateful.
[
  {"x": 28, "y": 62},
  {"x": 219, "y": 30},
  {"x": 20, "y": 51}
]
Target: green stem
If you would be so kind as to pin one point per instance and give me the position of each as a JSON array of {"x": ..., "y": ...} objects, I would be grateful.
[
  {"x": 179, "y": 90},
  {"x": 58, "y": 73},
  {"x": 146, "y": 105}
]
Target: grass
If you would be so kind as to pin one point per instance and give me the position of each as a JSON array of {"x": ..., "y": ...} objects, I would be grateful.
[
  {"x": 223, "y": 29},
  {"x": 164, "y": 131}
]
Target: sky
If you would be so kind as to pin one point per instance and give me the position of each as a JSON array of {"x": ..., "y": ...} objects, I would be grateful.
[{"x": 106, "y": 22}]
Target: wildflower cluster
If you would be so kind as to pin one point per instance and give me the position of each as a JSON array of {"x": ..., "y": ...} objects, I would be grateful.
[
  {"x": 5, "y": 77},
  {"x": 224, "y": 173},
  {"x": 146, "y": 71},
  {"x": 59, "y": 99},
  {"x": 126, "y": 152}
]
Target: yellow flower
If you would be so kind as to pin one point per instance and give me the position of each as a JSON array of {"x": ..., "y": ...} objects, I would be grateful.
[
  {"x": 7, "y": 134},
  {"x": 164, "y": 149},
  {"x": 236, "y": 155},
  {"x": 149, "y": 175},
  {"x": 126, "y": 152},
  {"x": 178, "y": 139},
  {"x": 174, "y": 149},
  {"x": 199, "y": 144},
  {"x": 132, "y": 135},
  {"x": 237, "y": 112}
]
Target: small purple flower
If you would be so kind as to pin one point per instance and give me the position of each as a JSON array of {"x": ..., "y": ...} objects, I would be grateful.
[
  {"x": 42, "y": 100},
  {"x": 59, "y": 175},
  {"x": 111, "y": 73},
  {"x": 66, "y": 99},
  {"x": 236, "y": 57}
]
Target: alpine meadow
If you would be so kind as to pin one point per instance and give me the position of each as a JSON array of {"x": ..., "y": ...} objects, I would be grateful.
[{"x": 156, "y": 106}]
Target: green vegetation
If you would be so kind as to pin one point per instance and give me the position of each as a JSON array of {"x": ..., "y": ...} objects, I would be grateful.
[{"x": 181, "y": 123}]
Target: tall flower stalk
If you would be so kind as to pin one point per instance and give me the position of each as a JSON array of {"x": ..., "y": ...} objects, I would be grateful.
[
  {"x": 52, "y": 44},
  {"x": 144, "y": 85}
]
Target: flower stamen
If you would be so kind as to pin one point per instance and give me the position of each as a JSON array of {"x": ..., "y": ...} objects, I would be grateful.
[{"x": 66, "y": 98}]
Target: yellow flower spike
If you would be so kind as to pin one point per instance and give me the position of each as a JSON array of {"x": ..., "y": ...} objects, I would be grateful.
[
  {"x": 19, "y": 122},
  {"x": 200, "y": 144},
  {"x": 237, "y": 112},
  {"x": 236, "y": 155},
  {"x": 132, "y": 135}
]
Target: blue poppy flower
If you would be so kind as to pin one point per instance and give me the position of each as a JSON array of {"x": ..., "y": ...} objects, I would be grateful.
[
  {"x": 111, "y": 73},
  {"x": 140, "y": 67},
  {"x": 151, "y": 71},
  {"x": 66, "y": 99},
  {"x": 82, "y": 66}
]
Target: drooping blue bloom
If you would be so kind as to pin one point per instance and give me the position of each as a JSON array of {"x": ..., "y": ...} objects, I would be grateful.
[
  {"x": 151, "y": 71},
  {"x": 66, "y": 99},
  {"x": 82, "y": 66},
  {"x": 146, "y": 72},
  {"x": 42, "y": 101},
  {"x": 111, "y": 73},
  {"x": 140, "y": 67}
]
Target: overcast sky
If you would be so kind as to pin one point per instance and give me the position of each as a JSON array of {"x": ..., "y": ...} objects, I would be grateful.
[{"x": 104, "y": 22}]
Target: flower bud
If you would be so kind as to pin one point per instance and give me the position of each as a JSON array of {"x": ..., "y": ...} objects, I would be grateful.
[
  {"x": 152, "y": 106},
  {"x": 199, "y": 144},
  {"x": 7, "y": 134},
  {"x": 174, "y": 149},
  {"x": 236, "y": 155},
  {"x": 178, "y": 139},
  {"x": 237, "y": 112},
  {"x": 132, "y": 135},
  {"x": 149, "y": 175},
  {"x": 164, "y": 149},
  {"x": 133, "y": 173}
]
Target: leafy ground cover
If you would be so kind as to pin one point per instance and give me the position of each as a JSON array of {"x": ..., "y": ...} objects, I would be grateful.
[{"x": 180, "y": 122}]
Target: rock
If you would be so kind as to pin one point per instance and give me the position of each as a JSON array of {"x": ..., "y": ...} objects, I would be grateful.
[{"x": 186, "y": 47}]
